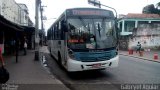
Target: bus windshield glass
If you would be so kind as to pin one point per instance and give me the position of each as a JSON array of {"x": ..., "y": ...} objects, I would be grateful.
[{"x": 92, "y": 33}]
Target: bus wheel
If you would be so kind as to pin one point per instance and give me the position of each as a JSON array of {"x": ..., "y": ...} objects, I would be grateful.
[
  {"x": 50, "y": 50},
  {"x": 59, "y": 59}
]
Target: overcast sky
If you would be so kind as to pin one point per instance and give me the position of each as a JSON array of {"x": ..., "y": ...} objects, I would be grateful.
[{"x": 56, "y": 7}]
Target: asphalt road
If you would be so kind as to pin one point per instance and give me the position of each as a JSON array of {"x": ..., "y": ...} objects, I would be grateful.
[{"x": 130, "y": 71}]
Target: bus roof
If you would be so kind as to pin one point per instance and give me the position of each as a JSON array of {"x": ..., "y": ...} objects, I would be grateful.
[{"x": 86, "y": 12}]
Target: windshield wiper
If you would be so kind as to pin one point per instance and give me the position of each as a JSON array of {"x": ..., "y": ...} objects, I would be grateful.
[
  {"x": 99, "y": 30},
  {"x": 83, "y": 23},
  {"x": 89, "y": 29},
  {"x": 94, "y": 28}
]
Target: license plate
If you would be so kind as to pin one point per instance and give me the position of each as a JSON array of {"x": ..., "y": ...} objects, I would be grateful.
[{"x": 96, "y": 65}]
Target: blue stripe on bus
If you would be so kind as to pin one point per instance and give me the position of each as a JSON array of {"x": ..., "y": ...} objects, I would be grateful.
[
  {"x": 95, "y": 56},
  {"x": 93, "y": 50}
]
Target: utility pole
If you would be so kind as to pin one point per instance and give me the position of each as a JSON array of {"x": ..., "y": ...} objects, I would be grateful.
[
  {"x": 97, "y": 3},
  {"x": 42, "y": 28},
  {"x": 37, "y": 2},
  {"x": 41, "y": 11}
]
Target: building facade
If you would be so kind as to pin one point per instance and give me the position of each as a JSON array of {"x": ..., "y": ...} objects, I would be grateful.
[
  {"x": 0, "y": 7},
  {"x": 10, "y": 10},
  {"x": 16, "y": 13},
  {"x": 15, "y": 26},
  {"x": 143, "y": 28},
  {"x": 24, "y": 15}
]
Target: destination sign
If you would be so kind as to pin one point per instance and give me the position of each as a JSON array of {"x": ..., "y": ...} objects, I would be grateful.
[{"x": 89, "y": 12}]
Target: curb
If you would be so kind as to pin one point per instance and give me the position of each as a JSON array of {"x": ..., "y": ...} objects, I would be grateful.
[
  {"x": 140, "y": 57},
  {"x": 53, "y": 75}
]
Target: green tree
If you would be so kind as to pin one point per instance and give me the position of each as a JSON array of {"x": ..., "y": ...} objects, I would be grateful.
[
  {"x": 158, "y": 5},
  {"x": 151, "y": 9}
]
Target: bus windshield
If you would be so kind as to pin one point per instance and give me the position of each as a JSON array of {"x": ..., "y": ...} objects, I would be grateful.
[{"x": 91, "y": 33}]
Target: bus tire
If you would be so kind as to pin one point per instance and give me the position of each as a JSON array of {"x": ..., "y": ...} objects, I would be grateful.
[
  {"x": 50, "y": 50},
  {"x": 59, "y": 59}
]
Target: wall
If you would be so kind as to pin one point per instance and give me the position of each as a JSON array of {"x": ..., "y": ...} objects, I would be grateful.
[
  {"x": 123, "y": 42},
  {"x": 146, "y": 41},
  {"x": 148, "y": 34},
  {"x": 14, "y": 12},
  {"x": 10, "y": 10}
]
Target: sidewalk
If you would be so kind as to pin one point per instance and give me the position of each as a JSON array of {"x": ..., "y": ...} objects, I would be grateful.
[
  {"x": 31, "y": 74},
  {"x": 147, "y": 55}
]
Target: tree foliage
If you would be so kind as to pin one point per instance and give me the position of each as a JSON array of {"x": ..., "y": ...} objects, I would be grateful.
[
  {"x": 158, "y": 5},
  {"x": 151, "y": 9}
]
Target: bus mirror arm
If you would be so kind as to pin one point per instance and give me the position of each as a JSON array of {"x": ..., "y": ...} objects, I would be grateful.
[
  {"x": 117, "y": 34},
  {"x": 117, "y": 31}
]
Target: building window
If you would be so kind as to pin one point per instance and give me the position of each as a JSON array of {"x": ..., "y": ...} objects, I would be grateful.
[{"x": 129, "y": 26}]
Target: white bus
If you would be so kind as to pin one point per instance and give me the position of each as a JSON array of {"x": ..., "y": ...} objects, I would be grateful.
[{"x": 84, "y": 39}]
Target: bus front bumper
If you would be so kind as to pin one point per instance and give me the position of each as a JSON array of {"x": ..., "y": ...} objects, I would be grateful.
[{"x": 73, "y": 65}]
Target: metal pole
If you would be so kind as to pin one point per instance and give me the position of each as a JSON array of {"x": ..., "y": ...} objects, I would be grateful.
[
  {"x": 36, "y": 30},
  {"x": 17, "y": 47},
  {"x": 111, "y": 8},
  {"x": 99, "y": 4},
  {"x": 41, "y": 10},
  {"x": 96, "y": 2}
]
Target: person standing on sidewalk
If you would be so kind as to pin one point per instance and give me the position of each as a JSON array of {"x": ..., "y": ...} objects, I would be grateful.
[
  {"x": 13, "y": 42},
  {"x": 25, "y": 47},
  {"x": 1, "y": 58},
  {"x": 138, "y": 47},
  {"x": 17, "y": 49},
  {"x": 4, "y": 74}
]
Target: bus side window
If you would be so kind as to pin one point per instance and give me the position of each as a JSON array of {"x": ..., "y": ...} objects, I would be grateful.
[
  {"x": 59, "y": 31},
  {"x": 56, "y": 32},
  {"x": 53, "y": 33},
  {"x": 49, "y": 34},
  {"x": 64, "y": 26}
]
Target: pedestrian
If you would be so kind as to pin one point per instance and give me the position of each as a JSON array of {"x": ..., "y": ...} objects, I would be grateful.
[
  {"x": 25, "y": 47},
  {"x": 12, "y": 46},
  {"x": 4, "y": 74},
  {"x": 138, "y": 47},
  {"x": 1, "y": 58},
  {"x": 17, "y": 49}
]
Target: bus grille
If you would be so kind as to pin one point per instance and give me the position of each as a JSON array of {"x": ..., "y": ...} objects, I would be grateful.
[{"x": 94, "y": 57}]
